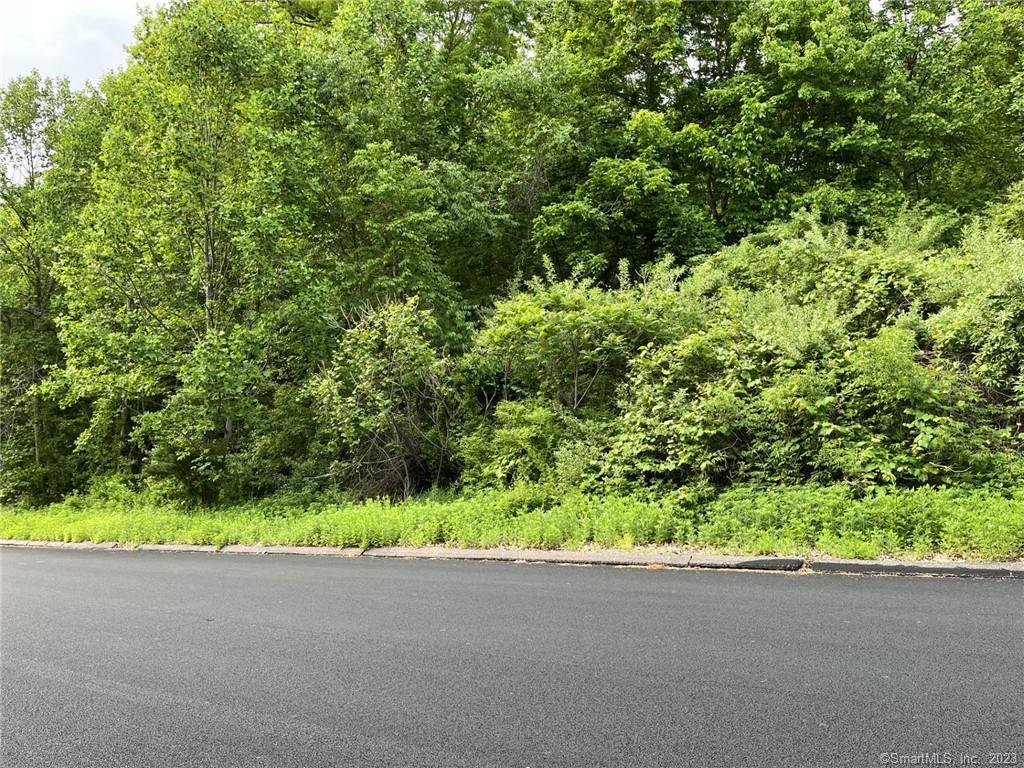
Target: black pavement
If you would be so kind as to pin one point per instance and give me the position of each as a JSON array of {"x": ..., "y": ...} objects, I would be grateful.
[{"x": 155, "y": 659}]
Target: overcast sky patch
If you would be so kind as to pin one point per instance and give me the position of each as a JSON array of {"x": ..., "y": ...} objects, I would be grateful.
[{"x": 79, "y": 40}]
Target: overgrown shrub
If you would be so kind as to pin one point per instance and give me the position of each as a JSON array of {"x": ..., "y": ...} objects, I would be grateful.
[
  {"x": 517, "y": 445},
  {"x": 386, "y": 403},
  {"x": 571, "y": 342},
  {"x": 818, "y": 360}
]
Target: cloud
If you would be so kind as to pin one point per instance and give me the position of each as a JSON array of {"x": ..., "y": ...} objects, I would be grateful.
[{"x": 81, "y": 41}]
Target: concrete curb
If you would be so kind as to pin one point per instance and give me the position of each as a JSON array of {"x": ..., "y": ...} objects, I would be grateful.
[
  {"x": 639, "y": 558},
  {"x": 244, "y": 549},
  {"x": 592, "y": 557},
  {"x": 62, "y": 544},
  {"x": 990, "y": 570},
  {"x": 170, "y": 547}
]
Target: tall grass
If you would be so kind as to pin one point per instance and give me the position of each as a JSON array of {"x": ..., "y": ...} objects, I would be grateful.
[{"x": 779, "y": 520}]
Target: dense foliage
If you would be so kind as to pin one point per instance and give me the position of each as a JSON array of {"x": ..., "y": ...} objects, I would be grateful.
[{"x": 628, "y": 249}]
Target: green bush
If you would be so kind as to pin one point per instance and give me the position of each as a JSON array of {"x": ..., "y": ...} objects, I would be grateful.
[
  {"x": 517, "y": 445},
  {"x": 824, "y": 359},
  {"x": 571, "y": 342},
  {"x": 386, "y": 402}
]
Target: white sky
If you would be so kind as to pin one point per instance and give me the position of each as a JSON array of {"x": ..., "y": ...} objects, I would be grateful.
[{"x": 80, "y": 39}]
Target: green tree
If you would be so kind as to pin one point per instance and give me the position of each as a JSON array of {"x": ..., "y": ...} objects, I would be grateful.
[
  {"x": 190, "y": 249},
  {"x": 38, "y": 203}
]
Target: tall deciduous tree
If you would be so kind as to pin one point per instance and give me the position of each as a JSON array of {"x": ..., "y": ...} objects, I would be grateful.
[
  {"x": 38, "y": 203},
  {"x": 190, "y": 248}
]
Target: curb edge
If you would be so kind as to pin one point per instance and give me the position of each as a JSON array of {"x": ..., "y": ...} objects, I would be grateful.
[{"x": 1014, "y": 570}]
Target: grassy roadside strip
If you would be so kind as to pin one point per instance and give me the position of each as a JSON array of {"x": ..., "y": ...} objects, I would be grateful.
[{"x": 974, "y": 524}]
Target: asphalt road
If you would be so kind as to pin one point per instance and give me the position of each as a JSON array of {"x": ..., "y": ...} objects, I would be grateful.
[{"x": 151, "y": 659}]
